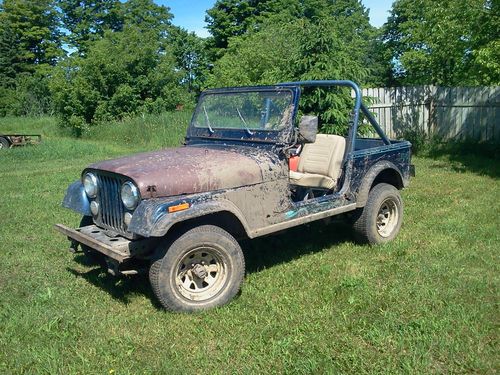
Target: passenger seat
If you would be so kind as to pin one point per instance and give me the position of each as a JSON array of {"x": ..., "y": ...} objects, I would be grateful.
[{"x": 320, "y": 163}]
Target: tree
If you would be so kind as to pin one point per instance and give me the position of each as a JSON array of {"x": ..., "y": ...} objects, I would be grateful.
[
  {"x": 190, "y": 52},
  {"x": 33, "y": 25},
  {"x": 10, "y": 54},
  {"x": 274, "y": 41},
  {"x": 451, "y": 42},
  {"x": 264, "y": 57},
  {"x": 230, "y": 18},
  {"x": 29, "y": 47},
  {"x": 147, "y": 16},
  {"x": 298, "y": 50},
  {"x": 123, "y": 74},
  {"x": 86, "y": 20}
]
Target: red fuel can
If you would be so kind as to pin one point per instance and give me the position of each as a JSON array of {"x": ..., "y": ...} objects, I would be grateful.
[{"x": 293, "y": 162}]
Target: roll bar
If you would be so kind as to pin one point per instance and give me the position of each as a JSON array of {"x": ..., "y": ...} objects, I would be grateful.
[{"x": 358, "y": 105}]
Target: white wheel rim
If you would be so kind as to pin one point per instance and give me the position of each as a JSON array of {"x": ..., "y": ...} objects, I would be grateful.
[
  {"x": 201, "y": 274},
  {"x": 387, "y": 217}
]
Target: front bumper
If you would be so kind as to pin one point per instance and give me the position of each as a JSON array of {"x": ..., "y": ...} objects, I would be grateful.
[{"x": 118, "y": 248}]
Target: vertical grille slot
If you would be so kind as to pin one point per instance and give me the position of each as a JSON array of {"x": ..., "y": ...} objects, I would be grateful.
[{"x": 111, "y": 213}]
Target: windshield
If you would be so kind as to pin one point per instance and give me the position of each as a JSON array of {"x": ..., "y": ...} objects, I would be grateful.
[{"x": 248, "y": 111}]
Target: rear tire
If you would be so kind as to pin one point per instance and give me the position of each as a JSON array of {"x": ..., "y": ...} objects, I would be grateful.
[
  {"x": 4, "y": 143},
  {"x": 201, "y": 269},
  {"x": 381, "y": 218}
]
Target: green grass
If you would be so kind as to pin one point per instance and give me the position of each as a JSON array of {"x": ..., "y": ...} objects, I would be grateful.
[
  {"x": 151, "y": 131},
  {"x": 313, "y": 301}
]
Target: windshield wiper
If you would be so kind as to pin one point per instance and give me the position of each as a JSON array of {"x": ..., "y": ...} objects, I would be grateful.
[
  {"x": 247, "y": 129},
  {"x": 208, "y": 121}
]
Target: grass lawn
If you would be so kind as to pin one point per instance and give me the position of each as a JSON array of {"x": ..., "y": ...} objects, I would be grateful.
[{"x": 313, "y": 300}]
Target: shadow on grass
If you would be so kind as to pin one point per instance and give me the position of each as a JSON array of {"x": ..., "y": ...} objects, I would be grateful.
[
  {"x": 120, "y": 288},
  {"x": 261, "y": 253},
  {"x": 270, "y": 251},
  {"x": 483, "y": 159}
]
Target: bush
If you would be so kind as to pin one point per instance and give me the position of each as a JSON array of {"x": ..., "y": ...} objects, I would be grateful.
[
  {"x": 124, "y": 74},
  {"x": 419, "y": 140},
  {"x": 29, "y": 96}
]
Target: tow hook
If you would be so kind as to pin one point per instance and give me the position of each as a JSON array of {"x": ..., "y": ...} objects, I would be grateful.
[
  {"x": 73, "y": 246},
  {"x": 113, "y": 267}
]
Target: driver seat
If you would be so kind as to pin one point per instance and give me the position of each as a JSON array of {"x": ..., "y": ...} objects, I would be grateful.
[{"x": 320, "y": 163}]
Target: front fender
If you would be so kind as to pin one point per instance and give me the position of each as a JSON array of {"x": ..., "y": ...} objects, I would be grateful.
[
  {"x": 76, "y": 199},
  {"x": 153, "y": 219}
]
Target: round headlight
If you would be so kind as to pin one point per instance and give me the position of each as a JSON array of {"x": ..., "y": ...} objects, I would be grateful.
[
  {"x": 130, "y": 195},
  {"x": 94, "y": 208},
  {"x": 90, "y": 184}
]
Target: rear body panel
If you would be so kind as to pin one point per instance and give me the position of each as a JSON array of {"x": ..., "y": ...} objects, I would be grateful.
[{"x": 397, "y": 154}]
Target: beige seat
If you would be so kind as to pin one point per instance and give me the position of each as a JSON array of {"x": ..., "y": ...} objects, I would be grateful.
[{"x": 320, "y": 163}]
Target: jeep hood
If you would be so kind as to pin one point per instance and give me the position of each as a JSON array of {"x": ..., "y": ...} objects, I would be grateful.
[{"x": 194, "y": 169}]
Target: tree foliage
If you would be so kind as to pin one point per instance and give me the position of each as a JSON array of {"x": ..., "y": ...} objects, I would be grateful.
[
  {"x": 315, "y": 39},
  {"x": 29, "y": 46},
  {"x": 93, "y": 60},
  {"x": 135, "y": 66},
  {"x": 230, "y": 18},
  {"x": 34, "y": 25},
  {"x": 451, "y": 42},
  {"x": 190, "y": 53},
  {"x": 123, "y": 74},
  {"x": 86, "y": 21}
]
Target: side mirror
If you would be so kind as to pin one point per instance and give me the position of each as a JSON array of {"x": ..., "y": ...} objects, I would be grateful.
[{"x": 308, "y": 128}]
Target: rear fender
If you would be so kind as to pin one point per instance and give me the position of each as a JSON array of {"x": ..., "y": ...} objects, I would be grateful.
[{"x": 375, "y": 171}]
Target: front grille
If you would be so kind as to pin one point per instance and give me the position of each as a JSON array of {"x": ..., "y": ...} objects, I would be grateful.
[{"x": 111, "y": 207}]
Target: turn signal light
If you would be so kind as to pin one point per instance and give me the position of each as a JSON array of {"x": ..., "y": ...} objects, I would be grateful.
[{"x": 178, "y": 207}]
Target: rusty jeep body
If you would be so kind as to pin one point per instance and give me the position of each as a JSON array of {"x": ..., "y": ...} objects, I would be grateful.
[{"x": 180, "y": 212}]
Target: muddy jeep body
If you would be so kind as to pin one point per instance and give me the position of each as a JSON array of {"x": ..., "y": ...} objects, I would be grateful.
[{"x": 231, "y": 181}]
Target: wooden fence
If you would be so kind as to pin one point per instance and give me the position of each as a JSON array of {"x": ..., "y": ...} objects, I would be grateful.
[{"x": 450, "y": 113}]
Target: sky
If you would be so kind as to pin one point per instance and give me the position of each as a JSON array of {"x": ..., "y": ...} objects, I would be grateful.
[{"x": 190, "y": 14}]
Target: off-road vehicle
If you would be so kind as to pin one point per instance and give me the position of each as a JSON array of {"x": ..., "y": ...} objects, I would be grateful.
[{"x": 180, "y": 212}]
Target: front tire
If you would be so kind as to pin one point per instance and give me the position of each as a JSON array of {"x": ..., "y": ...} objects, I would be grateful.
[
  {"x": 201, "y": 269},
  {"x": 381, "y": 218}
]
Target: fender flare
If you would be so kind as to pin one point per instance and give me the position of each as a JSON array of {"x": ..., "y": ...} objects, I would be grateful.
[
  {"x": 154, "y": 220},
  {"x": 76, "y": 199},
  {"x": 374, "y": 171}
]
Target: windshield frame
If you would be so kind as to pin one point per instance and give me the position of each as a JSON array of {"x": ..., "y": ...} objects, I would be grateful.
[{"x": 241, "y": 134}]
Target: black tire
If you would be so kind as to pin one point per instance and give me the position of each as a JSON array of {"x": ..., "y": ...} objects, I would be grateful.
[
  {"x": 4, "y": 143},
  {"x": 381, "y": 218},
  {"x": 201, "y": 269}
]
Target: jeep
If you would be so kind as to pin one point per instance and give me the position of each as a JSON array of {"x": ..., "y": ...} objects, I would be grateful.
[{"x": 250, "y": 166}]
